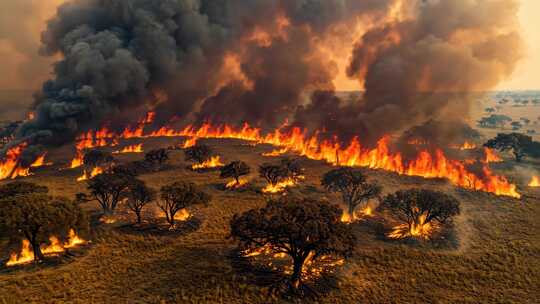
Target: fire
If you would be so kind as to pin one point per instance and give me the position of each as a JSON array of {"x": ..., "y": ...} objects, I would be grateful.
[
  {"x": 367, "y": 211},
  {"x": 182, "y": 215},
  {"x": 95, "y": 172},
  {"x": 279, "y": 261},
  {"x": 491, "y": 156},
  {"x": 419, "y": 229},
  {"x": 40, "y": 161},
  {"x": 10, "y": 166},
  {"x": 77, "y": 161},
  {"x": 277, "y": 152},
  {"x": 130, "y": 149},
  {"x": 279, "y": 187},
  {"x": 426, "y": 164},
  {"x": 55, "y": 247},
  {"x": 467, "y": 146},
  {"x": 190, "y": 142},
  {"x": 213, "y": 162},
  {"x": 535, "y": 182},
  {"x": 236, "y": 185}
]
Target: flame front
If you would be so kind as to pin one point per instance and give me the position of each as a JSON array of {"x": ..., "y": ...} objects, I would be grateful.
[
  {"x": 535, "y": 182},
  {"x": 213, "y": 162},
  {"x": 55, "y": 247},
  {"x": 277, "y": 152},
  {"x": 426, "y": 164},
  {"x": 279, "y": 187},
  {"x": 190, "y": 143},
  {"x": 236, "y": 185}
]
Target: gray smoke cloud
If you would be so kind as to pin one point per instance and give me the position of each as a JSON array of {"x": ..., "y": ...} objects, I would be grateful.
[{"x": 131, "y": 54}]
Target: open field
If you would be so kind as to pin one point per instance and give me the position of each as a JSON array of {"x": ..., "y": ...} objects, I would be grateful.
[{"x": 497, "y": 259}]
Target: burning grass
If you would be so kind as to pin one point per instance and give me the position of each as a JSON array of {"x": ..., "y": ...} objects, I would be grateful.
[
  {"x": 213, "y": 163},
  {"x": 535, "y": 182}
]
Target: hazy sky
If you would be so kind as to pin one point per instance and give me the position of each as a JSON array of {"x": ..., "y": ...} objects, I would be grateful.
[
  {"x": 527, "y": 75},
  {"x": 19, "y": 42}
]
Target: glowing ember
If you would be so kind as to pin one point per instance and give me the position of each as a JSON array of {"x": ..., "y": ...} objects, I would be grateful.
[
  {"x": 535, "y": 182},
  {"x": 108, "y": 219},
  {"x": 279, "y": 187},
  {"x": 55, "y": 247},
  {"x": 131, "y": 149},
  {"x": 276, "y": 152},
  {"x": 419, "y": 229},
  {"x": 95, "y": 172},
  {"x": 10, "y": 166},
  {"x": 213, "y": 162},
  {"x": 279, "y": 261},
  {"x": 236, "y": 185},
  {"x": 491, "y": 156}
]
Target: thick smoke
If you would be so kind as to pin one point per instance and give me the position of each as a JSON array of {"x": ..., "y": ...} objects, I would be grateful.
[{"x": 261, "y": 61}]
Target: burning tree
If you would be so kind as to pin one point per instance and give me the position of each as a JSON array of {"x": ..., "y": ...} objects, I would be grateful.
[
  {"x": 303, "y": 229},
  {"x": 235, "y": 170},
  {"x": 108, "y": 190},
  {"x": 180, "y": 196},
  {"x": 353, "y": 186},
  {"x": 139, "y": 195},
  {"x": 515, "y": 142},
  {"x": 274, "y": 174},
  {"x": 198, "y": 153},
  {"x": 421, "y": 211},
  {"x": 293, "y": 168},
  {"x": 157, "y": 157},
  {"x": 35, "y": 216}
]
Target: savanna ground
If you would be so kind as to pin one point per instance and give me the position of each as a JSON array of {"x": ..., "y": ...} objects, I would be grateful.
[{"x": 497, "y": 259}]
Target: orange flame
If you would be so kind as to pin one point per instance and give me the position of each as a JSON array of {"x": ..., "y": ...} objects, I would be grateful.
[
  {"x": 190, "y": 143},
  {"x": 367, "y": 211},
  {"x": 425, "y": 165},
  {"x": 10, "y": 166},
  {"x": 491, "y": 156},
  {"x": 535, "y": 182},
  {"x": 419, "y": 229},
  {"x": 95, "y": 172},
  {"x": 277, "y": 152},
  {"x": 467, "y": 146},
  {"x": 55, "y": 247},
  {"x": 213, "y": 162},
  {"x": 279, "y": 187},
  {"x": 130, "y": 149},
  {"x": 234, "y": 185}
]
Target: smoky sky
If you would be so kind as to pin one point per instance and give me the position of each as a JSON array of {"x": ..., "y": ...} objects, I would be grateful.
[{"x": 120, "y": 58}]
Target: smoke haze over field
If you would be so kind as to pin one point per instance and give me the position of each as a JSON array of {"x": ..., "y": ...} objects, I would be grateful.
[{"x": 265, "y": 61}]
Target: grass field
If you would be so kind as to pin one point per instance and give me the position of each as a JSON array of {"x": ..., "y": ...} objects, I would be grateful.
[{"x": 497, "y": 259}]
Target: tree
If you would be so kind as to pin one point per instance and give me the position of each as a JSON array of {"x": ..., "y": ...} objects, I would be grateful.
[
  {"x": 353, "y": 186},
  {"x": 35, "y": 216},
  {"x": 20, "y": 188},
  {"x": 273, "y": 173},
  {"x": 97, "y": 158},
  {"x": 198, "y": 153},
  {"x": 515, "y": 142},
  {"x": 158, "y": 156},
  {"x": 419, "y": 207},
  {"x": 300, "y": 228},
  {"x": 516, "y": 125},
  {"x": 108, "y": 190},
  {"x": 235, "y": 170},
  {"x": 490, "y": 110},
  {"x": 139, "y": 195},
  {"x": 178, "y": 196},
  {"x": 293, "y": 168}
]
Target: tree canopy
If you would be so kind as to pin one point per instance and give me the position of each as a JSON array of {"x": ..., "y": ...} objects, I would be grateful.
[
  {"x": 235, "y": 169},
  {"x": 299, "y": 228},
  {"x": 108, "y": 190},
  {"x": 418, "y": 207},
  {"x": 138, "y": 196},
  {"x": 178, "y": 196},
  {"x": 353, "y": 186},
  {"x": 36, "y": 216},
  {"x": 198, "y": 153},
  {"x": 518, "y": 144},
  {"x": 157, "y": 157}
]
